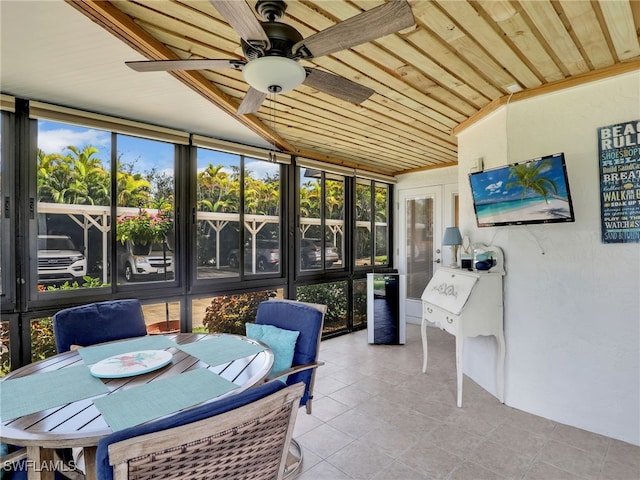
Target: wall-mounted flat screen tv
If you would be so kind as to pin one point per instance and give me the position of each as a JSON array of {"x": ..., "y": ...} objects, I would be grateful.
[{"x": 536, "y": 191}]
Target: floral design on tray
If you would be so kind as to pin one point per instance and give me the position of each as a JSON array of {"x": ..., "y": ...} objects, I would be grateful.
[{"x": 131, "y": 363}]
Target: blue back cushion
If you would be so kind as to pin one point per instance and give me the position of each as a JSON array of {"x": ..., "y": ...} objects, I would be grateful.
[
  {"x": 105, "y": 471},
  {"x": 97, "y": 323},
  {"x": 303, "y": 318},
  {"x": 282, "y": 342}
]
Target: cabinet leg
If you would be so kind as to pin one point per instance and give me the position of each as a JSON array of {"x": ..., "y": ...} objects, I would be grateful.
[
  {"x": 459, "y": 346},
  {"x": 423, "y": 330},
  {"x": 500, "y": 369}
]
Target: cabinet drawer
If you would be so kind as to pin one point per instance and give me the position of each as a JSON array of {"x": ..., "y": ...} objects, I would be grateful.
[{"x": 443, "y": 319}]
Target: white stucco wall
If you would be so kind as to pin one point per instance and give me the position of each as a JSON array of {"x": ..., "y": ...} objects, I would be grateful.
[{"x": 572, "y": 303}]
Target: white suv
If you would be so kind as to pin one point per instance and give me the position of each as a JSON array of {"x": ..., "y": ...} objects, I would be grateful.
[{"x": 59, "y": 260}]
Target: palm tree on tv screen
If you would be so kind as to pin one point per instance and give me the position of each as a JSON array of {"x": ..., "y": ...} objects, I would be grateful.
[{"x": 530, "y": 176}]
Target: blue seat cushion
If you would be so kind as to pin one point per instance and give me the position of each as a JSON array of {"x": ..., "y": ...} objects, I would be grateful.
[
  {"x": 97, "y": 323},
  {"x": 105, "y": 471}
]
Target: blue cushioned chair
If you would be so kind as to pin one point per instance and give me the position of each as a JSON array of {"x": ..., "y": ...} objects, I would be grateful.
[
  {"x": 245, "y": 435},
  {"x": 308, "y": 319},
  {"x": 97, "y": 323}
]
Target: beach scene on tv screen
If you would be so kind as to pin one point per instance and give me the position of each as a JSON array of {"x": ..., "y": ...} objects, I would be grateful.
[{"x": 528, "y": 192}]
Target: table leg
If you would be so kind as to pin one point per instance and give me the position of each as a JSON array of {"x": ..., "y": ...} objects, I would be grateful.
[
  {"x": 90, "y": 463},
  {"x": 423, "y": 330},
  {"x": 40, "y": 463},
  {"x": 459, "y": 346}
]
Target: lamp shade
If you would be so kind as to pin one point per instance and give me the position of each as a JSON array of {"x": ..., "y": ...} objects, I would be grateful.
[
  {"x": 452, "y": 236},
  {"x": 274, "y": 74}
]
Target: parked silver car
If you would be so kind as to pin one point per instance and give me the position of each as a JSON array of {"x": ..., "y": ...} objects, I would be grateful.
[
  {"x": 311, "y": 254},
  {"x": 267, "y": 256},
  {"x": 144, "y": 261}
]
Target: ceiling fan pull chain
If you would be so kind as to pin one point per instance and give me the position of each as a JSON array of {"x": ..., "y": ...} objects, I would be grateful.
[{"x": 272, "y": 118}]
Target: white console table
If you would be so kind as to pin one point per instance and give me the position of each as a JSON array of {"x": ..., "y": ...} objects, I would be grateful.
[{"x": 466, "y": 304}]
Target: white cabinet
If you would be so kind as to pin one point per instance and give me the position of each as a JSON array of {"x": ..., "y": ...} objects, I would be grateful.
[{"x": 466, "y": 304}]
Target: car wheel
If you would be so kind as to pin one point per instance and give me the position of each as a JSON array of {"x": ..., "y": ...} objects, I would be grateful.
[
  {"x": 128, "y": 273},
  {"x": 262, "y": 264},
  {"x": 233, "y": 261}
]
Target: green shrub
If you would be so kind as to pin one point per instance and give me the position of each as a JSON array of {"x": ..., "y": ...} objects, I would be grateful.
[
  {"x": 229, "y": 313},
  {"x": 43, "y": 343},
  {"x": 334, "y": 296}
]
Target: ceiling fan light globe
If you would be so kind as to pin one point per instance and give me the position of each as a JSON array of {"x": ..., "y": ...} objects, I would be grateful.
[{"x": 274, "y": 74}]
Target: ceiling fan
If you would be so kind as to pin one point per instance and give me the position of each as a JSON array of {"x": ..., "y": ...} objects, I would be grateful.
[{"x": 273, "y": 49}]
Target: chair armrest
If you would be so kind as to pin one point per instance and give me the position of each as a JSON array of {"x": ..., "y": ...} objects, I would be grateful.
[
  {"x": 12, "y": 458},
  {"x": 296, "y": 369}
]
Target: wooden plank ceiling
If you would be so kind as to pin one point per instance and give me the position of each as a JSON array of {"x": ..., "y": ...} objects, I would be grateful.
[{"x": 460, "y": 60}]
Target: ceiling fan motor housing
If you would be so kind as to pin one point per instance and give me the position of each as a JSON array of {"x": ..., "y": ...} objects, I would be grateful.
[{"x": 281, "y": 36}]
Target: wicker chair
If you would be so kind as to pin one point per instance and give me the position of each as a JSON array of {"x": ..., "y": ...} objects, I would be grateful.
[
  {"x": 308, "y": 319},
  {"x": 245, "y": 436}
]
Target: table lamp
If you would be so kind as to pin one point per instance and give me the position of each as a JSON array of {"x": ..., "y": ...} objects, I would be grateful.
[{"x": 452, "y": 238}]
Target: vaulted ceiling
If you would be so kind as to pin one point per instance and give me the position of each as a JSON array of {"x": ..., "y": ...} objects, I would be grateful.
[{"x": 459, "y": 61}]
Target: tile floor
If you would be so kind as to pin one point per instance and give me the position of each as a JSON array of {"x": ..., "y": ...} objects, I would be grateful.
[{"x": 357, "y": 430}]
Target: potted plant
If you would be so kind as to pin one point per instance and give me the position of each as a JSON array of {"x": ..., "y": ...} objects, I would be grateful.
[{"x": 145, "y": 228}]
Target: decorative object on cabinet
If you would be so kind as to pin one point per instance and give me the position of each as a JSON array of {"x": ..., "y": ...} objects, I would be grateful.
[
  {"x": 488, "y": 258},
  {"x": 452, "y": 238},
  {"x": 466, "y": 255},
  {"x": 467, "y": 304}
]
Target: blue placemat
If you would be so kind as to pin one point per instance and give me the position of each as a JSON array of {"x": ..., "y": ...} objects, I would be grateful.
[
  {"x": 153, "y": 400},
  {"x": 26, "y": 395},
  {"x": 219, "y": 350},
  {"x": 95, "y": 353}
]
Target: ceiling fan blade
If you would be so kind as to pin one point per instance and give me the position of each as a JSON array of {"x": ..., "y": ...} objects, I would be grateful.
[
  {"x": 375, "y": 23},
  {"x": 337, "y": 86},
  {"x": 251, "y": 101},
  {"x": 193, "y": 64},
  {"x": 239, "y": 15}
]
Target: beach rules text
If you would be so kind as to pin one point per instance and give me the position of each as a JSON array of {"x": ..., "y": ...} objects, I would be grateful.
[{"x": 619, "y": 152}]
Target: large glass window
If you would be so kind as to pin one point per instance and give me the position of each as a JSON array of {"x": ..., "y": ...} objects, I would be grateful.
[
  {"x": 321, "y": 217},
  {"x": 162, "y": 317},
  {"x": 218, "y": 214},
  {"x": 334, "y": 296},
  {"x": 381, "y": 226},
  {"x": 43, "y": 343},
  {"x": 334, "y": 221},
  {"x": 372, "y": 227},
  {"x": 2, "y": 213},
  {"x": 359, "y": 303},
  {"x": 145, "y": 215},
  {"x": 73, "y": 202},
  {"x": 363, "y": 242},
  {"x": 5, "y": 348},
  {"x": 261, "y": 216},
  {"x": 228, "y": 313}
]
